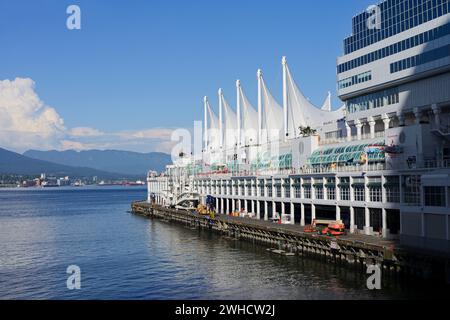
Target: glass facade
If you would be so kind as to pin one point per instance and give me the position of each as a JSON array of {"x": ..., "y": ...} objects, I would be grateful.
[
  {"x": 360, "y": 78},
  {"x": 345, "y": 155},
  {"x": 395, "y": 48},
  {"x": 375, "y": 100},
  {"x": 396, "y": 16},
  {"x": 426, "y": 57}
]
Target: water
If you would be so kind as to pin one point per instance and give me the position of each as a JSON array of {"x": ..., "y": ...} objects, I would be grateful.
[{"x": 123, "y": 256}]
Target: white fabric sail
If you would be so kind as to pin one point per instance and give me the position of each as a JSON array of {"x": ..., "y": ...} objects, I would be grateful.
[
  {"x": 249, "y": 123},
  {"x": 327, "y": 104},
  {"x": 229, "y": 124},
  {"x": 272, "y": 120},
  {"x": 213, "y": 130},
  {"x": 302, "y": 113}
]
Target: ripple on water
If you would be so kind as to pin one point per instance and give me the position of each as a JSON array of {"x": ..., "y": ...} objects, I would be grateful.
[{"x": 127, "y": 257}]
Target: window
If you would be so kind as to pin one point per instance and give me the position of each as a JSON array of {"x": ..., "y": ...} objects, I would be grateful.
[
  {"x": 319, "y": 193},
  {"x": 297, "y": 192},
  {"x": 307, "y": 192},
  {"x": 331, "y": 193},
  {"x": 360, "y": 78},
  {"x": 375, "y": 194},
  {"x": 427, "y": 36},
  {"x": 421, "y": 59},
  {"x": 345, "y": 194},
  {"x": 360, "y": 194},
  {"x": 435, "y": 197},
  {"x": 411, "y": 190},
  {"x": 278, "y": 191}
]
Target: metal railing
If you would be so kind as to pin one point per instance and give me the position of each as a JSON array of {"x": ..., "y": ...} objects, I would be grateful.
[
  {"x": 366, "y": 136},
  {"x": 428, "y": 164}
]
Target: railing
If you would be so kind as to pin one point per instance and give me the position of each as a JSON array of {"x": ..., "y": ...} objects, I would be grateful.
[
  {"x": 434, "y": 164},
  {"x": 366, "y": 136},
  {"x": 428, "y": 164}
]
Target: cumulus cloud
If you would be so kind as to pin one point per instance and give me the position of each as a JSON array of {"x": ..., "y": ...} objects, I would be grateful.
[{"x": 26, "y": 122}]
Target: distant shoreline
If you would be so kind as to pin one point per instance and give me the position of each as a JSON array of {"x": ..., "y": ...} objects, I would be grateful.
[{"x": 88, "y": 187}]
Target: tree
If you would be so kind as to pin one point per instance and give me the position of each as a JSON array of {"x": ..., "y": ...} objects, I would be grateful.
[{"x": 307, "y": 131}]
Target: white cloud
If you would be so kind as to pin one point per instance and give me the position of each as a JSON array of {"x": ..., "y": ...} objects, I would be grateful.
[
  {"x": 85, "y": 132},
  {"x": 27, "y": 123}
]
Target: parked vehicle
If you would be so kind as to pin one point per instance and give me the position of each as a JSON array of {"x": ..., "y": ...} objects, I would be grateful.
[{"x": 326, "y": 227}]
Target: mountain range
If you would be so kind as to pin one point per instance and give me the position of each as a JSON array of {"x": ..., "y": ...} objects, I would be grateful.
[
  {"x": 15, "y": 163},
  {"x": 124, "y": 162}
]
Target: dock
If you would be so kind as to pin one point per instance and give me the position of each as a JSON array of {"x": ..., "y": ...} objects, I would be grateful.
[{"x": 356, "y": 250}]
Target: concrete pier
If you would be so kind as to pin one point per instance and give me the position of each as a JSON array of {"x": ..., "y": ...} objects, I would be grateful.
[{"x": 352, "y": 249}]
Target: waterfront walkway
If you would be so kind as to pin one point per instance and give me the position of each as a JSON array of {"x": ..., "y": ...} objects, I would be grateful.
[{"x": 298, "y": 230}]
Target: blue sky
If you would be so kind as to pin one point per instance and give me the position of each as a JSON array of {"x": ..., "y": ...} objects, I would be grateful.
[{"x": 137, "y": 65}]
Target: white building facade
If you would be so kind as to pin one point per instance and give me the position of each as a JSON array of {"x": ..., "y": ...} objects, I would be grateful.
[{"x": 381, "y": 163}]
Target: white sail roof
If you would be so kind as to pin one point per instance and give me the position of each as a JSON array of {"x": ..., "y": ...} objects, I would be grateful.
[
  {"x": 249, "y": 123},
  {"x": 302, "y": 113},
  {"x": 272, "y": 117},
  {"x": 327, "y": 104},
  {"x": 214, "y": 129},
  {"x": 229, "y": 124}
]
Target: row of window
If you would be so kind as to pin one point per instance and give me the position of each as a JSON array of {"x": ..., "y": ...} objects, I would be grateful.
[
  {"x": 395, "y": 48},
  {"x": 360, "y": 78},
  {"x": 396, "y": 16},
  {"x": 420, "y": 59},
  {"x": 374, "y": 100},
  {"x": 375, "y": 193}
]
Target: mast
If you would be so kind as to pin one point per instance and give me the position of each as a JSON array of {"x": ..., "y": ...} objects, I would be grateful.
[
  {"x": 238, "y": 110},
  {"x": 285, "y": 98},
  {"x": 220, "y": 93},
  {"x": 259, "y": 76},
  {"x": 205, "y": 105}
]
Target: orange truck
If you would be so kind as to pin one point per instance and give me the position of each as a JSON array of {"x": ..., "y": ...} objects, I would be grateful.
[{"x": 326, "y": 228}]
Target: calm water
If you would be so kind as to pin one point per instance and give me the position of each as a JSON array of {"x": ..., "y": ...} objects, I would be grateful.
[{"x": 122, "y": 256}]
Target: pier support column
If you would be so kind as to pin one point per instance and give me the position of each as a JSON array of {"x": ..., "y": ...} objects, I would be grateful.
[
  {"x": 292, "y": 213},
  {"x": 217, "y": 204},
  {"x": 274, "y": 209},
  {"x": 266, "y": 211},
  {"x": 228, "y": 206},
  {"x": 313, "y": 212},
  {"x": 253, "y": 207},
  {"x": 245, "y": 206},
  {"x": 384, "y": 230},
  {"x": 258, "y": 210},
  {"x": 233, "y": 205},
  {"x": 283, "y": 208},
  {"x": 302, "y": 215},
  {"x": 338, "y": 213},
  {"x": 222, "y": 208},
  {"x": 352, "y": 220},
  {"x": 367, "y": 228}
]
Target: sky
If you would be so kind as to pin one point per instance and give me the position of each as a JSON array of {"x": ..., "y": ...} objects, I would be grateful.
[{"x": 137, "y": 69}]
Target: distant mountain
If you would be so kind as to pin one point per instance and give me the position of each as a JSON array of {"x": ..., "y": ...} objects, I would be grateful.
[
  {"x": 108, "y": 160},
  {"x": 15, "y": 163}
]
